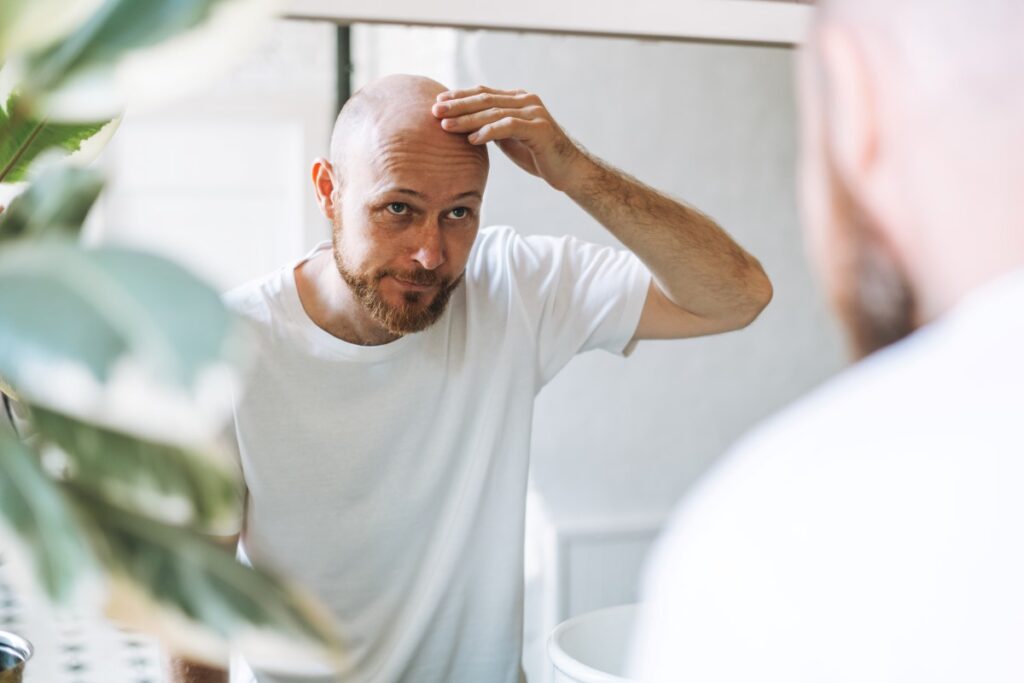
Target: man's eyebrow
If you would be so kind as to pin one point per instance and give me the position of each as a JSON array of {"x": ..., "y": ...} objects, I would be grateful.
[
  {"x": 420, "y": 195},
  {"x": 405, "y": 190}
]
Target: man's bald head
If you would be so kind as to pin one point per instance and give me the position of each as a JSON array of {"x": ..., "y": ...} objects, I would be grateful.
[
  {"x": 390, "y": 109},
  {"x": 956, "y": 53},
  {"x": 912, "y": 155}
]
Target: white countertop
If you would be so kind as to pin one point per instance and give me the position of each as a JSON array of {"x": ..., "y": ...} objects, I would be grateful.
[{"x": 70, "y": 648}]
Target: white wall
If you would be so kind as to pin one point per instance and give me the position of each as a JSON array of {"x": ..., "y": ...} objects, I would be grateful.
[
  {"x": 711, "y": 124},
  {"x": 220, "y": 181},
  {"x": 715, "y": 126}
]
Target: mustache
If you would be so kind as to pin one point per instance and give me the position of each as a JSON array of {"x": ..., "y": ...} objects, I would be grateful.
[{"x": 419, "y": 276}]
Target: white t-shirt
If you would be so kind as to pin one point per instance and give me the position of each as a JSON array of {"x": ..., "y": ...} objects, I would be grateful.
[
  {"x": 391, "y": 480},
  {"x": 872, "y": 532}
]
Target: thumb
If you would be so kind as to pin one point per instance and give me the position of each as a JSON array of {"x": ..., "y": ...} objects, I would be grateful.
[{"x": 519, "y": 153}]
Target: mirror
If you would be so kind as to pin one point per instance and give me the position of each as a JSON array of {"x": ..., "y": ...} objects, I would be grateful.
[{"x": 615, "y": 442}]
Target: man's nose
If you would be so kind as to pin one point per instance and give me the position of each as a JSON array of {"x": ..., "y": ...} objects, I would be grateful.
[{"x": 429, "y": 251}]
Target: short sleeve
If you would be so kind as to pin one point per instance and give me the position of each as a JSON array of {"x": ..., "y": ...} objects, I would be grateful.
[{"x": 578, "y": 296}]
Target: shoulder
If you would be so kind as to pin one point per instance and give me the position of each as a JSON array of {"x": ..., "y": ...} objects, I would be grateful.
[
  {"x": 882, "y": 416},
  {"x": 867, "y": 495},
  {"x": 501, "y": 252},
  {"x": 501, "y": 248},
  {"x": 255, "y": 300},
  {"x": 502, "y": 257},
  {"x": 846, "y": 519}
]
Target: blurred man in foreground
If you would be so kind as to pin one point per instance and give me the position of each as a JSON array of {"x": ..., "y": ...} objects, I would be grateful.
[{"x": 873, "y": 531}]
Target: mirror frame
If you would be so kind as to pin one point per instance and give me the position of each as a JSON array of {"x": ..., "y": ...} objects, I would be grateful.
[{"x": 777, "y": 23}]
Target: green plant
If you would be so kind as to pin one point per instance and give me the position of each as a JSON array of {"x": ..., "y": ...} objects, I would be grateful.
[{"x": 116, "y": 356}]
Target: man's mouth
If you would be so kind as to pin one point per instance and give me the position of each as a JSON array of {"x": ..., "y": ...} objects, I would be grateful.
[{"x": 415, "y": 286}]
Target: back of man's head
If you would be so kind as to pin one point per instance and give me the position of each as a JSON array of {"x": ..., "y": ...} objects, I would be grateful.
[{"x": 913, "y": 155}]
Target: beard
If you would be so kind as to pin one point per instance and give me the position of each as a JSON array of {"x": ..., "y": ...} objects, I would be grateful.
[
  {"x": 874, "y": 298},
  {"x": 416, "y": 313}
]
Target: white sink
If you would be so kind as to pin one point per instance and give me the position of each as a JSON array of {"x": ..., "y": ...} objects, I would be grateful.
[{"x": 593, "y": 647}]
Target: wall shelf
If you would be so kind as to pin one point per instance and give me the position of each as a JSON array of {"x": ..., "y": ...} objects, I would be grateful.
[{"x": 746, "y": 22}]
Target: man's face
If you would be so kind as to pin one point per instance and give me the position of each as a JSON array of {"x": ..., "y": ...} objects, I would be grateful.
[
  {"x": 408, "y": 215},
  {"x": 865, "y": 281}
]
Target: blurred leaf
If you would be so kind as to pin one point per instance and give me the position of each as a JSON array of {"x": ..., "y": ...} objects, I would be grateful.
[
  {"x": 24, "y": 136},
  {"x": 61, "y": 303},
  {"x": 34, "y": 24},
  {"x": 173, "y": 484},
  {"x": 32, "y": 505},
  {"x": 191, "y": 577},
  {"x": 8, "y": 389},
  {"x": 55, "y": 204},
  {"x": 117, "y": 27}
]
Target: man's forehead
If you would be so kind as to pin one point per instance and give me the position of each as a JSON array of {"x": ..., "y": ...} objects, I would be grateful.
[
  {"x": 409, "y": 159},
  {"x": 414, "y": 131},
  {"x": 416, "y": 181},
  {"x": 398, "y": 154}
]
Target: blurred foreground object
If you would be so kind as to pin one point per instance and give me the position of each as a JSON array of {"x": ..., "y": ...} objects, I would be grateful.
[
  {"x": 871, "y": 531},
  {"x": 120, "y": 365}
]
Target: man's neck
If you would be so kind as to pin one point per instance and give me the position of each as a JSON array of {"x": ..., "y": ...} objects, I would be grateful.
[{"x": 331, "y": 305}]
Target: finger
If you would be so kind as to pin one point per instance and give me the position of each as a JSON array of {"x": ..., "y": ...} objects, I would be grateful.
[
  {"x": 477, "y": 120},
  {"x": 481, "y": 101},
  {"x": 504, "y": 129},
  {"x": 466, "y": 92}
]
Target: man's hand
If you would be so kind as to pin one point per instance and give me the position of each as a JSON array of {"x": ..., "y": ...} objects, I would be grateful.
[{"x": 519, "y": 123}]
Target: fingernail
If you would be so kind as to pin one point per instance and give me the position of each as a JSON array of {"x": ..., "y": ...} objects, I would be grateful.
[
  {"x": 441, "y": 108},
  {"x": 473, "y": 137}
]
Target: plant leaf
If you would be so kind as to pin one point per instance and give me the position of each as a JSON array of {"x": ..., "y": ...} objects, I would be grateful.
[
  {"x": 170, "y": 483},
  {"x": 55, "y": 204},
  {"x": 34, "y": 24},
  {"x": 6, "y": 388},
  {"x": 192, "y": 579},
  {"x": 34, "y": 508},
  {"x": 24, "y": 137},
  {"x": 123, "y": 337},
  {"x": 118, "y": 27}
]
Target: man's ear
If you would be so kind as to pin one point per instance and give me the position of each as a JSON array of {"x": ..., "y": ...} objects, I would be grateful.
[
  {"x": 850, "y": 115},
  {"x": 324, "y": 184}
]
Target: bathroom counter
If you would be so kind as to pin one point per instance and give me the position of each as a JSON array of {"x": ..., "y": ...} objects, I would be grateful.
[{"x": 71, "y": 648}]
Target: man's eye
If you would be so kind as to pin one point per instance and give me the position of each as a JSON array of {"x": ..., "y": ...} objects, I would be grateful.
[
  {"x": 398, "y": 208},
  {"x": 458, "y": 212}
]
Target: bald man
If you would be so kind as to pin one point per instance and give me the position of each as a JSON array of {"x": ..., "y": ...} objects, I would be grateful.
[
  {"x": 384, "y": 435},
  {"x": 872, "y": 532}
]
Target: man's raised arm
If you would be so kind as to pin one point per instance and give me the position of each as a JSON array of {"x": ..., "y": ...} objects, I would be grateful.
[{"x": 704, "y": 282}]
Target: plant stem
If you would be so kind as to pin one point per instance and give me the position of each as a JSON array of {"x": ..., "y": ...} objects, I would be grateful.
[{"x": 23, "y": 147}]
